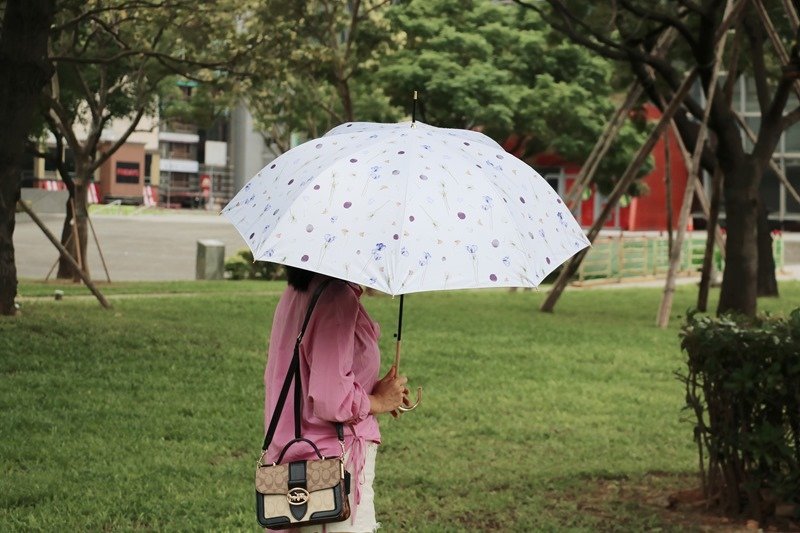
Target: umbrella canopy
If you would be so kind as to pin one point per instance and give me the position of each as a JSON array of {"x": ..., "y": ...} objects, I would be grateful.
[{"x": 405, "y": 208}]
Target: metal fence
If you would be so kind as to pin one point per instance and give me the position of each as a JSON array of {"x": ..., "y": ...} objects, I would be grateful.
[{"x": 617, "y": 258}]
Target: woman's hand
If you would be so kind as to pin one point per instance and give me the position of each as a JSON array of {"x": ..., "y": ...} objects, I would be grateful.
[{"x": 389, "y": 393}]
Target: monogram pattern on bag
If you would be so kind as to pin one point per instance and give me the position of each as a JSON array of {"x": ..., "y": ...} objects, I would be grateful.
[
  {"x": 272, "y": 479},
  {"x": 319, "y": 474},
  {"x": 323, "y": 474}
]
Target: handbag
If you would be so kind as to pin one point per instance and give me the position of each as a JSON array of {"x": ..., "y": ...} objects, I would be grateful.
[{"x": 300, "y": 493}]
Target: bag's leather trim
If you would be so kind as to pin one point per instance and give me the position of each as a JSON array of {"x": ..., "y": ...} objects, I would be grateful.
[
  {"x": 297, "y": 480},
  {"x": 340, "y": 512}
]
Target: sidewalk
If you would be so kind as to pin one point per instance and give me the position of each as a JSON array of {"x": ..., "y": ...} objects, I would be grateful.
[
  {"x": 787, "y": 273},
  {"x": 135, "y": 247}
]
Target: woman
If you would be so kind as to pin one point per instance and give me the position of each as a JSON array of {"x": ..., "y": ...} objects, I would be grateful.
[{"x": 339, "y": 365}]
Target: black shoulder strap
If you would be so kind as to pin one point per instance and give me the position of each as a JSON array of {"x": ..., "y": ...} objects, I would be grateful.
[{"x": 294, "y": 374}]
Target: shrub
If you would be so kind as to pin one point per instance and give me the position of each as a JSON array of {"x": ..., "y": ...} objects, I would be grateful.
[
  {"x": 743, "y": 385},
  {"x": 242, "y": 266}
]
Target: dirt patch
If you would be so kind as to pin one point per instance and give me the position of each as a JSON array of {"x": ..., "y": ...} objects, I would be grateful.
[{"x": 662, "y": 501}]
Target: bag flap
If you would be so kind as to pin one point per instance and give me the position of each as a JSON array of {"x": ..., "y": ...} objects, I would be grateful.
[{"x": 320, "y": 474}]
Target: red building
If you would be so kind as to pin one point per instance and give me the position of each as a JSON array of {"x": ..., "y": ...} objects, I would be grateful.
[{"x": 643, "y": 213}]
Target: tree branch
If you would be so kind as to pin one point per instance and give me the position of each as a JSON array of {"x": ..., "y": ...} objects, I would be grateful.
[
  {"x": 58, "y": 114},
  {"x": 692, "y": 6},
  {"x": 75, "y": 21},
  {"x": 756, "y": 38},
  {"x": 791, "y": 118},
  {"x": 609, "y": 49},
  {"x": 663, "y": 18},
  {"x": 104, "y": 155}
]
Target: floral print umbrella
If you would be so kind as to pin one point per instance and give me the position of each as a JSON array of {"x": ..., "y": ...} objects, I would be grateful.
[{"x": 405, "y": 208}]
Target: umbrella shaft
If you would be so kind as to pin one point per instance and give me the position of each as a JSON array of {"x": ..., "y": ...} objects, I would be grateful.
[{"x": 397, "y": 356}]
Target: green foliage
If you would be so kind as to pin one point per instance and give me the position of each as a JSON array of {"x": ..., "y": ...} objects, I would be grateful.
[
  {"x": 150, "y": 417},
  {"x": 500, "y": 68},
  {"x": 241, "y": 266},
  {"x": 479, "y": 64},
  {"x": 317, "y": 71},
  {"x": 743, "y": 385}
]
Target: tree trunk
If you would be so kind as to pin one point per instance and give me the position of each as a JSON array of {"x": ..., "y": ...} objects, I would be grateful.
[
  {"x": 767, "y": 283},
  {"x": 24, "y": 70},
  {"x": 741, "y": 258},
  {"x": 79, "y": 218},
  {"x": 711, "y": 231}
]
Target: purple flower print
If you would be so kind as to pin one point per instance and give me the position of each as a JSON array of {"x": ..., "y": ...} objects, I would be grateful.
[
  {"x": 375, "y": 172},
  {"x": 473, "y": 249},
  {"x": 328, "y": 238},
  {"x": 270, "y": 252},
  {"x": 507, "y": 261},
  {"x": 376, "y": 252},
  {"x": 487, "y": 203},
  {"x": 404, "y": 251},
  {"x": 423, "y": 262},
  {"x": 561, "y": 219}
]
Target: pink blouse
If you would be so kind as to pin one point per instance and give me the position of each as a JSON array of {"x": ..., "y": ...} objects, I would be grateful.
[{"x": 339, "y": 365}]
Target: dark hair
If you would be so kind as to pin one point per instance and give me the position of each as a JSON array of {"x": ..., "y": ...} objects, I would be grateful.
[{"x": 298, "y": 278}]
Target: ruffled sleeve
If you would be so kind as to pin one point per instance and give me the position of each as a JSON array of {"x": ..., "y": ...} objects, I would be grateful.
[{"x": 329, "y": 349}]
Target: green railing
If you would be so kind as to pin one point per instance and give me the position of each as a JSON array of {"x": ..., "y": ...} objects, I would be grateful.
[{"x": 640, "y": 257}]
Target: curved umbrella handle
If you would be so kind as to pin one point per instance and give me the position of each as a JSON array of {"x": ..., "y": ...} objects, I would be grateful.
[
  {"x": 407, "y": 408},
  {"x": 410, "y": 407}
]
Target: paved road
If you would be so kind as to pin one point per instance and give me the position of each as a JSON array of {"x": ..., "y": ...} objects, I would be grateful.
[
  {"x": 136, "y": 247},
  {"x": 164, "y": 247}
]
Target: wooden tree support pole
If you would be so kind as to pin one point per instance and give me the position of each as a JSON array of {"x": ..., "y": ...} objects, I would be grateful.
[
  {"x": 75, "y": 236},
  {"x": 662, "y": 320},
  {"x": 66, "y": 255},
  {"x": 612, "y": 129},
  {"x": 791, "y": 13},
  {"x": 668, "y": 187},
  {"x": 700, "y": 192},
  {"x": 99, "y": 249},
  {"x": 58, "y": 259},
  {"x": 592, "y": 163},
  {"x": 622, "y": 185},
  {"x": 772, "y": 164},
  {"x": 783, "y": 55}
]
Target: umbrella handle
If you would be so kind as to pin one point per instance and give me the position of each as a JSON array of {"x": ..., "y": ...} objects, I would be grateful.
[{"x": 405, "y": 408}]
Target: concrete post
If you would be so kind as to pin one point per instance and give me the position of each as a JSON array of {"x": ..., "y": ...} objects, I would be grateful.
[{"x": 210, "y": 259}]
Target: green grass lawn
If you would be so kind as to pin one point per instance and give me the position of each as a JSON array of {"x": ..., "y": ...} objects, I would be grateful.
[{"x": 149, "y": 416}]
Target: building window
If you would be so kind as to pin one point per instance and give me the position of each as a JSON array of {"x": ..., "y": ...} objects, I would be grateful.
[{"x": 128, "y": 172}]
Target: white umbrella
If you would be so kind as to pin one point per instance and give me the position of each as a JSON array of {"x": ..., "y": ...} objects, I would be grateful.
[{"x": 405, "y": 208}]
